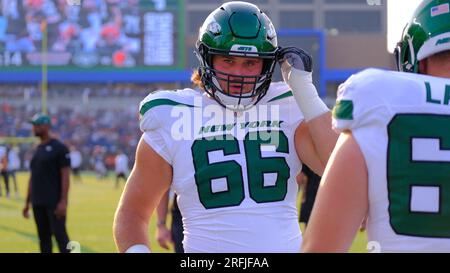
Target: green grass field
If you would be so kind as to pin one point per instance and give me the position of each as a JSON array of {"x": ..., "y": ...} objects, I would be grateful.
[{"x": 90, "y": 216}]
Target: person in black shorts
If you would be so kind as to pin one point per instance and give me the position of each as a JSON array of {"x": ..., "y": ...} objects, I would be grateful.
[{"x": 48, "y": 186}]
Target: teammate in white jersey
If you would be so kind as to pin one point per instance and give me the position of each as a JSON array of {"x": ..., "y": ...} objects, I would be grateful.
[
  {"x": 121, "y": 167},
  {"x": 392, "y": 159},
  {"x": 231, "y": 149}
]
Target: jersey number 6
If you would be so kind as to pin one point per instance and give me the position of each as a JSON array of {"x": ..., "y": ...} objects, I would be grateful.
[
  {"x": 418, "y": 175},
  {"x": 231, "y": 171}
]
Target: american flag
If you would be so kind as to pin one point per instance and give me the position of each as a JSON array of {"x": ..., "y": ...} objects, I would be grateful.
[{"x": 441, "y": 9}]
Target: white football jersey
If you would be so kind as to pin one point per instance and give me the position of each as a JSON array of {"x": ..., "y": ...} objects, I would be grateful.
[
  {"x": 401, "y": 122},
  {"x": 121, "y": 164},
  {"x": 75, "y": 159},
  {"x": 234, "y": 173},
  {"x": 13, "y": 160}
]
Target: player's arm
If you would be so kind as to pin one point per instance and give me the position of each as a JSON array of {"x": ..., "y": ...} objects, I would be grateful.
[
  {"x": 296, "y": 68},
  {"x": 65, "y": 178},
  {"x": 5, "y": 162},
  {"x": 149, "y": 180},
  {"x": 63, "y": 163},
  {"x": 323, "y": 136},
  {"x": 61, "y": 208},
  {"x": 163, "y": 234},
  {"x": 342, "y": 200},
  {"x": 306, "y": 150},
  {"x": 26, "y": 208},
  {"x": 163, "y": 208}
]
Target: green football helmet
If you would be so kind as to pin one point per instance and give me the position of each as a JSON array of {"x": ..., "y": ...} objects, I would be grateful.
[
  {"x": 237, "y": 29},
  {"x": 426, "y": 34}
]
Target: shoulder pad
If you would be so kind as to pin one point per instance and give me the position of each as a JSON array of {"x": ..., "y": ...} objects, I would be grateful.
[{"x": 156, "y": 105}]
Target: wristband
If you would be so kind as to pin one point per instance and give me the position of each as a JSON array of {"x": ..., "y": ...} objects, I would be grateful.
[{"x": 305, "y": 93}]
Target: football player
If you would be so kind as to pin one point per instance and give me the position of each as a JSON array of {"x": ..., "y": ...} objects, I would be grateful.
[
  {"x": 392, "y": 159},
  {"x": 231, "y": 148}
]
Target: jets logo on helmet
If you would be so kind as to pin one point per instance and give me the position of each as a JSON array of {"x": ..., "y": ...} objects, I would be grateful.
[
  {"x": 243, "y": 50},
  {"x": 426, "y": 34}
]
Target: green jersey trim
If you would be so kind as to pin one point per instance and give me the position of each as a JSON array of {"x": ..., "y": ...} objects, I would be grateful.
[
  {"x": 343, "y": 110},
  {"x": 282, "y": 96},
  {"x": 157, "y": 102}
]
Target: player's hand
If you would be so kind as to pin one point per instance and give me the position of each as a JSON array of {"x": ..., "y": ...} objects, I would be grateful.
[
  {"x": 296, "y": 68},
  {"x": 61, "y": 209},
  {"x": 26, "y": 211},
  {"x": 292, "y": 57},
  {"x": 164, "y": 236}
]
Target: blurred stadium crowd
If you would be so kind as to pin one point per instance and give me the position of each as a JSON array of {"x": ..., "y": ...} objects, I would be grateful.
[
  {"x": 110, "y": 28},
  {"x": 99, "y": 123}
]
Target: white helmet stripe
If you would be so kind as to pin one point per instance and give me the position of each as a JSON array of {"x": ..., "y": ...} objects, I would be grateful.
[{"x": 434, "y": 45}]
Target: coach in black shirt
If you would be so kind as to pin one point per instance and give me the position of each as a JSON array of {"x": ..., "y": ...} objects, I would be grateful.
[{"x": 48, "y": 186}]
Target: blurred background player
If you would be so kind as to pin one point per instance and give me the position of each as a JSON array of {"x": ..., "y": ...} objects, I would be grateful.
[
  {"x": 121, "y": 167},
  {"x": 14, "y": 166},
  {"x": 4, "y": 169},
  {"x": 99, "y": 162},
  {"x": 392, "y": 160},
  {"x": 237, "y": 50},
  {"x": 48, "y": 187},
  {"x": 76, "y": 160}
]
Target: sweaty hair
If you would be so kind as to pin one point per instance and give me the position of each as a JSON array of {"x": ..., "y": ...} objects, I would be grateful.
[{"x": 196, "y": 80}]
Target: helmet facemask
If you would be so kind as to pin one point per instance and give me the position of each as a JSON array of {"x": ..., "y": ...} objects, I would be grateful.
[
  {"x": 236, "y": 101},
  {"x": 405, "y": 55}
]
